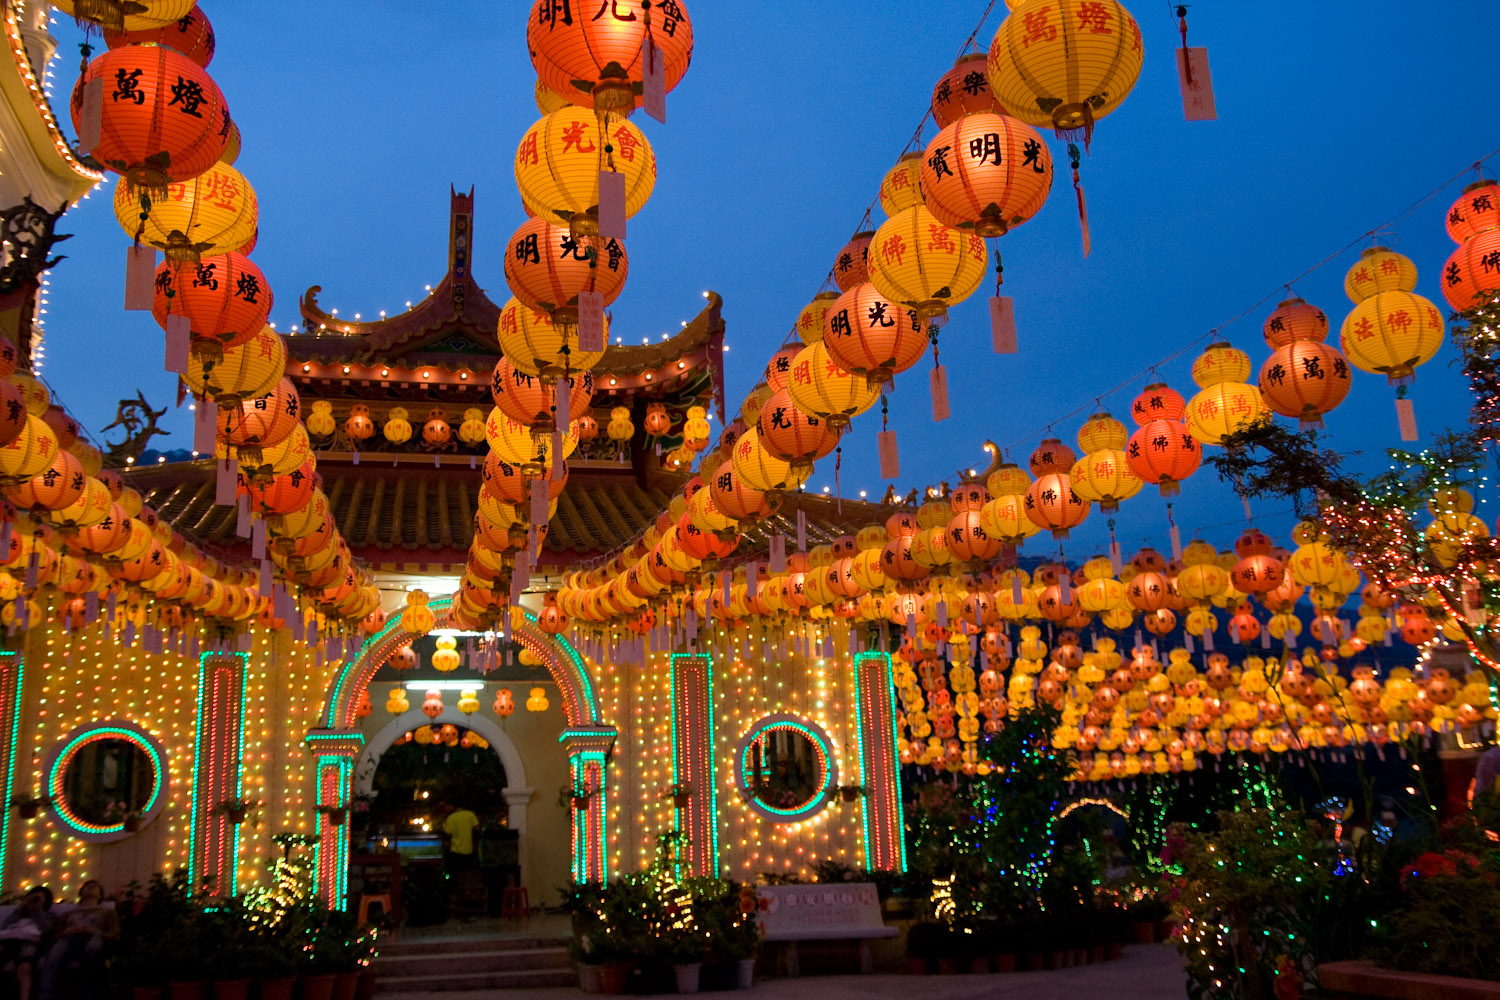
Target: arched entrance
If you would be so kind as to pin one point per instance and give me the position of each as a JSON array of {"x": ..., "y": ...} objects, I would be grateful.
[{"x": 340, "y": 746}]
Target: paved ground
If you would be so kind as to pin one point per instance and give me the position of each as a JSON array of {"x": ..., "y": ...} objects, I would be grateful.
[{"x": 1147, "y": 972}]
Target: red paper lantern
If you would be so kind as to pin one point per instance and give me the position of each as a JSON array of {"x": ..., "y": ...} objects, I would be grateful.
[
  {"x": 791, "y": 435},
  {"x": 1305, "y": 379},
  {"x": 1052, "y": 504},
  {"x": 868, "y": 335},
  {"x": 851, "y": 268},
  {"x": 191, "y": 34},
  {"x": 1158, "y": 402},
  {"x": 1475, "y": 211},
  {"x": 1473, "y": 270},
  {"x": 987, "y": 173},
  {"x": 164, "y": 117},
  {"x": 1162, "y": 452},
  {"x": 963, "y": 90},
  {"x": 263, "y": 421},
  {"x": 1052, "y": 456},
  {"x": 594, "y": 58},
  {"x": 734, "y": 499},
  {"x": 284, "y": 494},
  {"x": 547, "y": 267},
  {"x": 1293, "y": 320},
  {"x": 779, "y": 369},
  {"x": 225, "y": 299}
]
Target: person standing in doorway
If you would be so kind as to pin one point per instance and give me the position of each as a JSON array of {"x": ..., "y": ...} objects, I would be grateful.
[{"x": 458, "y": 830}]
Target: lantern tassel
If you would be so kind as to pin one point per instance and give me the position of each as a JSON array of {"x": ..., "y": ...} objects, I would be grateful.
[{"x": 1083, "y": 208}]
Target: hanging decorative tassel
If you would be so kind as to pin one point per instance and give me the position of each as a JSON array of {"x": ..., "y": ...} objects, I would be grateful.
[
  {"x": 938, "y": 380},
  {"x": 1406, "y": 415},
  {"x": 838, "y": 490},
  {"x": 1083, "y": 208},
  {"x": 1192, "y": 75},
  {"x": 885, "y": 446}
]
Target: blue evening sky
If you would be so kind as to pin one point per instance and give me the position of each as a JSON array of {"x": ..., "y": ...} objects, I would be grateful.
[{"x": 1334, "y": 117}]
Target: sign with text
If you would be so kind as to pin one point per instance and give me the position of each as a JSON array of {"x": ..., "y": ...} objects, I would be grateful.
[{"x": 789, "y": 912}]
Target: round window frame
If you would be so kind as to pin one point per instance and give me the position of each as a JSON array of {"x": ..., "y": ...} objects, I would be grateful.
[
  {"x": 819, "y": 738},
  {"x": 54, "y": 778}
]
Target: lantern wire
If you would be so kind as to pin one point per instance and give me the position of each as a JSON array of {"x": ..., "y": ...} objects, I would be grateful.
[{"x": 1259, "y": 304}]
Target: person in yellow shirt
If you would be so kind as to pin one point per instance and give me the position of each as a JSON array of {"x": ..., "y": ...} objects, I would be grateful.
[{"x": 459, "y": 829}]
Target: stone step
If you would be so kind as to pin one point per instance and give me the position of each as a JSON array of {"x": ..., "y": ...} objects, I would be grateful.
[
  {"x": 447, "y": 946},
  {"x": 416, "y": 986},
  {"x": 445, "y": 964}
]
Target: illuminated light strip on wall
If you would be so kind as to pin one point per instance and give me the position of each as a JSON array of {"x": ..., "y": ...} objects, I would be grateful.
[
  {"x": 336, "y": 751},
  {"x": 879, "y": 766},
  {"x": 12, "y": 687},
  {"x": 588, "y": 764},
  {"x": 57, "y": 769},
  {"x": 580, "y": 700},
  {"x": 828, "y": 768},
  {"x": 693, "y": 760},
  {"x": 218, "y": 772}
]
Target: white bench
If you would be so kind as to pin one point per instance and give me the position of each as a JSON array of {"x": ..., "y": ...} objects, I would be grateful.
[{"x": 844, "y": 911}]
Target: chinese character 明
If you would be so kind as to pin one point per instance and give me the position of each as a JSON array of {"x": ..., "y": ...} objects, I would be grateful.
[
  {"x": 527, "y": 250},
  {"x": 838, "y": 323},
  {"x": 985, "y": 147},
  {"x": 528, "y": 151},
  {"x": 548, "y": 13}
]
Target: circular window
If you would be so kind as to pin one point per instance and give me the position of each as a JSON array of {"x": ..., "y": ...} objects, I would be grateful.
[
  {"x": 785, "y": 768},
  {"x": 106, "y": 780}
]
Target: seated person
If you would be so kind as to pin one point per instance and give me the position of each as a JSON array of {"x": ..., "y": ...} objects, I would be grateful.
[
  {"x": 79, "y": 935},
  {"x": 21, "y": 934}
]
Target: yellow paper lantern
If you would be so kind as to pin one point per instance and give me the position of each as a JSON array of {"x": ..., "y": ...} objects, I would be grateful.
[
  {"x": 396, "y": 702},
  {"x": 1379, "y": 269},
  {"x": 536, "y": 701},
  {"x": 810, "y": 320},
  {"x": 30, "y": 454},
  {"x": 536, "y": 345},
  {"x": 559, "y": 160},
  {"x": 214, "y": 213},
  {"x": 1104, "y": 477},
  {"x": 819, "y": 386},
  {"x": 445, "y": 657},
  {"x": 760, "y": 470},
  {"x": 246, "y": 372},
  {"x": 320, "y": 421},
  {"x": 468, "y": 702},
  {"x": 918, "y": 262},
  {"x": 1391, "y": 334},
  {"x": 397, "y": 429},
  {"x": 902, "y": 186},
  {"x": 417, "y": 618}
]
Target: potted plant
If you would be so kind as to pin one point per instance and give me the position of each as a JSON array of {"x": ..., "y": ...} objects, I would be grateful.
[
  {"x": 575, "y": 797},
  {"x": 335, "y": 814},
  {"x": 686, "y": 955},
  {"x": 923, "y": 942},
  {"x": 851, "y": 793},
  {"x": 679, "y": 794},
  {"x": 236, "y": 809},
  {"x": 28, "y": 807}
]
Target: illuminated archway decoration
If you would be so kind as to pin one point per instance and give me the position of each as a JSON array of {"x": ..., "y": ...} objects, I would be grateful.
[
  {"x": 828, "y": 770},
  {"x": 339, "y": 743},
  {"x": 218, "y": 772},
  {"x": 693, "y": 761},
  {"x": 580, "y": 700},
  {"x": 56, "y": 769}
]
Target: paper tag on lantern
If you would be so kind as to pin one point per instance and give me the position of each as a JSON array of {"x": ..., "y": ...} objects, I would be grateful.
[
  {"x": 538, "y": 502},
  {"x": 242, "y": 517},
  {"x": 205, "y": 426},
  {"x": 354, "y": 459},
  {"x": 801, "y": 531},
  {"x": 140, "y": 277},
  {"x": 1386, "y": 642},
  {"x": 90, "y": 607},
  {"x": 725, "y": 578},
  {"x": 91, "y": 115},
  {"x": 1406, "y": 417},
  {"x": 243, "y": 642},
  {"x": 1208, "y": 641},
  {"x": 752, "y": 577},
  {"x": 1176, "y": 537},
  {"x": 942, "y": 614},
  {"x": 611, "y": 205},
  {"x": 654, "y": 84},
  {"x": 179, "y": 334},
  {"x": 5, "y": 532},
  {"x": 890, "y": 461},
  {"x": 258, "y": 544},
  {"x": 1187, "y": 643},
  {"x": 691, "y": 624},
  {"x": 938, "y": 379},
  {"x": 109, "y": 606},
  {"x": 559, "y": 467},
  {"x": 33, "y": 564},
  {"x": 590, "y": 321},
  {"x": 1003, "y": 324},
  {"x": 1265, "y": 638},
  {"x": 911, "y": 626},
  {"x": 1065, "y": 588},
  {"x": 778, "y": 553},
  {"x": 1017, "y": 596},
  {"x": 563, "y": 398},
  {"x": 1115, "y": 560},
  {"x": 265, "y": 574},
  {"x": 853, "y": 643},
  {"x": 1197, "y": 85},
  {"x": 225, "y": 482},
  {"x": 1234, "y": 631}
]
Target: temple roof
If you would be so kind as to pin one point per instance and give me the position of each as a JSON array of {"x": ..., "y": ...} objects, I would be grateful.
[
  {"x": 408, "y": 513},
  {"x": 447, "y": 344}
]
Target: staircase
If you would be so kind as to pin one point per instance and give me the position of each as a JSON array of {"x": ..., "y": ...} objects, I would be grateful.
[{"x": 427, "y": 966}]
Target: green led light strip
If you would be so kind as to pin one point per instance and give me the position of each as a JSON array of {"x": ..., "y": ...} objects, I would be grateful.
[
  {"x": 195, "y": 861},
  {"x": 711, "y": 818},
  {"x": 17, "y": 678},
  {"x": 867, "y": 735},
  {"x": 58, "y": 766}
]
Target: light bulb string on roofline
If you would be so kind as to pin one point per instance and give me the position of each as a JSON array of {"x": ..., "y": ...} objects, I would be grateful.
[{"x": 1260, "y": 303}]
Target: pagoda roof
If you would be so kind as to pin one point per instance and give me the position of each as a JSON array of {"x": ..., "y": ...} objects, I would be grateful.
[
  {"x": 449, "y": 339},
  {"x": 416, "y": 513}
]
